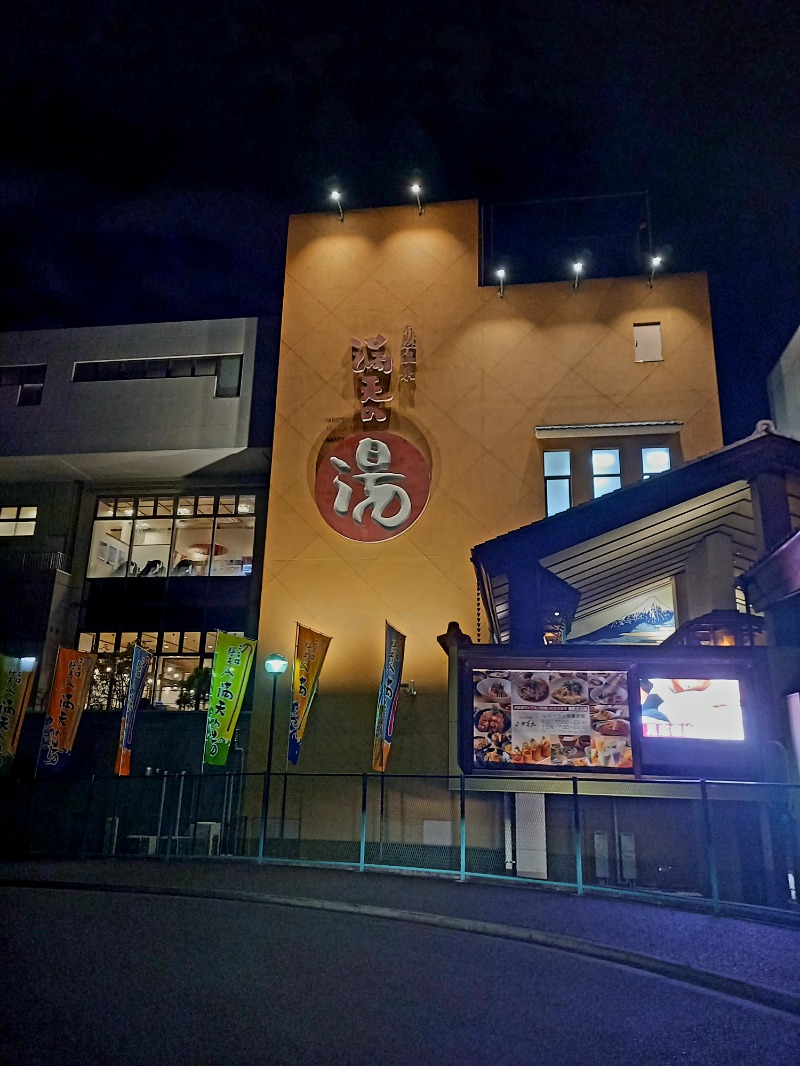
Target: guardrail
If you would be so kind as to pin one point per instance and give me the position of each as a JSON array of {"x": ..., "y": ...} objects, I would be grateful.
[{"x": 729, "y": 847}]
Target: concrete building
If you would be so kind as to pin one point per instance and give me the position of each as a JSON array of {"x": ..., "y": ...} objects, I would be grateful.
[
  {"x": 495, "y": 412},
  {"x": 126, "y": 453}
]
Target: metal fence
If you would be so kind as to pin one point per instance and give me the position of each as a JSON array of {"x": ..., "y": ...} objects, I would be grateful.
[{"x": 723, "y": 846}]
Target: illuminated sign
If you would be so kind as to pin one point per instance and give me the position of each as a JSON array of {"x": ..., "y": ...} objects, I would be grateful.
[
  {"x": 691, "y": 708},
  {"x": 544, "y": 719},
  {"x": 371, "y": 487}
]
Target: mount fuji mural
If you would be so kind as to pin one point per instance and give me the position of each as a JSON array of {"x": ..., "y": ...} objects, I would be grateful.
[{"x": 649, "y": 620}]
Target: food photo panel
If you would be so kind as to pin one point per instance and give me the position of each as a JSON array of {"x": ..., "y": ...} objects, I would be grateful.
[{"x": 525, "y": 719}]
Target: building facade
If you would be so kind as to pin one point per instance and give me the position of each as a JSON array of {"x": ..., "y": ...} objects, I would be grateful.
[
  {"x": 417, "y": 414},
  {"x": 133, "y": 475}
]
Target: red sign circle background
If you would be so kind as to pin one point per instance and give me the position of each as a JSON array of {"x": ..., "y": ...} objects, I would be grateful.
[{"x": 371, "y": 486}]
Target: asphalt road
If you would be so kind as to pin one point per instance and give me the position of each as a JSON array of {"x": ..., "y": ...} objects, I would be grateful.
[{"x": 90, "y": 977}]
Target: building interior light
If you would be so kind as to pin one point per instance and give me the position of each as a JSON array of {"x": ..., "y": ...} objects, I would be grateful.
[
  {"x": 336, "y": 196},
  {"x": 416, "y": 189},
  {"x": 501, "y": 274}
]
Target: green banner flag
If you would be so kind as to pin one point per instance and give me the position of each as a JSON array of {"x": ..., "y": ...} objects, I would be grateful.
[
  {"x": 16, "y": 684},
  {"x": 233, "y": 659}
]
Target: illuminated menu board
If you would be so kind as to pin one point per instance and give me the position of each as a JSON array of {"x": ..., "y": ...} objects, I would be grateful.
[{"x": 542, "y": 719}]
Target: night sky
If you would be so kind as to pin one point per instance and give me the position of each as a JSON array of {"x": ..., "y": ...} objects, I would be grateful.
[{"x": 151, "y": 151}]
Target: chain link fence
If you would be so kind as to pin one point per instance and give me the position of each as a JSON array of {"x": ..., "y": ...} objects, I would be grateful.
[{"x": 724, "y": 846}]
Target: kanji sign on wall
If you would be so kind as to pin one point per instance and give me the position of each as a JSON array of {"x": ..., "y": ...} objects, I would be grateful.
[{"x": 371, "y": 487}]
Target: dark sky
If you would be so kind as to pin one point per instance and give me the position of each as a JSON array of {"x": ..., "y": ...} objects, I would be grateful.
[{"x": 152, "y": 150}]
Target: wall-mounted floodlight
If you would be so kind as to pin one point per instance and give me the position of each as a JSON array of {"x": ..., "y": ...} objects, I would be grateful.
[
  {"x": 416, "y": 189},
  {"x": 655, "y": 263},
  {"x": 337, "y": 196},
  {"x": 501, "y": 274},
  {"x": 578, "y": 270}
]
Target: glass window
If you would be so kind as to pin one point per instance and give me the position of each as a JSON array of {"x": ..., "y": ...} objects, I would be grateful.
[
  {"x": 654, "y": 461},
  {"x": 186, "y": 505},
  {"x": 108, "y": 555},
  {"x": 557, "y": 490},
  {"x": 30, "y": 395},
  {"x": 192, "y": 547},
  {"x": 149, "y": 641},
  {"x": 124, "y": 508},
  {"x": 246, "y": 505},
  {"x": 557, "y": 468},
  {"x": 205, "y": 505},
  {"x": 166, "y": 505},
  {"x": 171, "y": 642},
  {"x": 10, "y": 524},
  {"x": 178, "y": 686},
  {"x": 605, "y": 471},
  {"x": 211, "y": 641},
  {"x": 205, "y": 368},
  {"x": 152, "y": 539},
  {"x": 126, "y": 640},
  {"x": 106, "y": 641},
  {"x": 86, "y": 642},
  {"x": 191, "y": 643},
  {"x": 105, "y": 507},
  {"x": 229, "y": 372},
  {"x": 227, "y": 505},
  {"x": 145, "y": 507},
  {"x": 233, "y": 547},
  {"x": 556, "y": 464}
]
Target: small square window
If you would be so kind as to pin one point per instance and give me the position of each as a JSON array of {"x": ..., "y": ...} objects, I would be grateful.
[
  {"x": 144, "y": 508},
  {"x": 30, "y": 395},
  {"x": 229, "y": 373},
  {"x": 556, "y": 464},
  {"x": 9, "y": 512},
  {"x": 27, "y": 513},
  {"x": 166, "y": 505}
]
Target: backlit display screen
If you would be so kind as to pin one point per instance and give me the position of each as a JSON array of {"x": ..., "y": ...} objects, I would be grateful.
[{"x": 691, "y": 708}]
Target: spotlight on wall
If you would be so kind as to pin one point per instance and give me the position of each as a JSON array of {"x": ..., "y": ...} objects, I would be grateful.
[
  {"x": 577, "y": 270},
  {"x": 655, "y": 263},
  {"x": 416, "y": 189},
  {"x": 501, "y": 274},
  {"x": 337, "y": 197}
]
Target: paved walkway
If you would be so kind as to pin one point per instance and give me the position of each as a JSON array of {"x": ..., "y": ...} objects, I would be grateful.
[{"x": 759, "y": 955}]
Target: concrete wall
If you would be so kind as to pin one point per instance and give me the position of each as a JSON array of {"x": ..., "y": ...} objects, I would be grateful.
[
  {"x": 783, "y": 386},
  {"x": 488, "y": 372},
  {"x": 126, "y": 416}
]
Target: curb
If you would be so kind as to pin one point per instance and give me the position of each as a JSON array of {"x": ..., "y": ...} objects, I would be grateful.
[{"x": 762, "y": 995}]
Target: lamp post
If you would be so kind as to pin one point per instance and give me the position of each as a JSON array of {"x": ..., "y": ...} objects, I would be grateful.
[
  {"x": 275, "y": 665},
  {"x": 416, "y": 190},
  {"x": 655, "y": 263},
  {"x": 336, "y": 196}
]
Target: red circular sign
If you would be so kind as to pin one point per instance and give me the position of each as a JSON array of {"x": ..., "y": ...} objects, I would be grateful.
[{"x": 371, "y": 486}]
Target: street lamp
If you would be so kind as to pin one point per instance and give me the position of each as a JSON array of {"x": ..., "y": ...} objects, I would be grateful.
[
  {"x": 501, "y": 274},
  {"x": 416, "y": 189},
  {"x": 578, "y": 269},
  {"x": 336, "y": 196},
  {"x": 275, "y": 665}
]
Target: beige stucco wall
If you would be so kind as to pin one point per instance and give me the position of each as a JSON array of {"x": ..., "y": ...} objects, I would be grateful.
[{"x": 488, "y": 371}]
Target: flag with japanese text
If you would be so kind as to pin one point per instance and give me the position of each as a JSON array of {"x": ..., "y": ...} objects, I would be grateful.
[
  {"x": 16, "y": 685},
  {"x": 233, "y": 660},
  {"x": 68, "y": 695},
  {"x": 309, "y": 654},
  {"x": 140, "y": 664},
  {"x": 387, "y": 697}
]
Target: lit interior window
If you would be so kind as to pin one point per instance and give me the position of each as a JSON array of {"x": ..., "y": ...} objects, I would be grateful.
[
  {"x": 654, "y": 461},
  {"x": 605, "y": 471}
]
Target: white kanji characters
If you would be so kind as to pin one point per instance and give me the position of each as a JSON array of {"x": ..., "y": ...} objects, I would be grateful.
[{"x": 380, "y": 486}]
